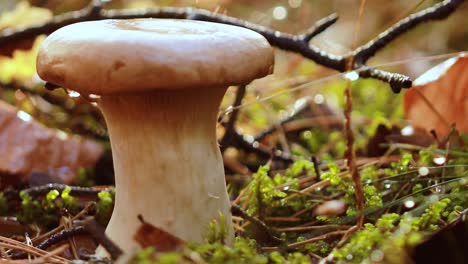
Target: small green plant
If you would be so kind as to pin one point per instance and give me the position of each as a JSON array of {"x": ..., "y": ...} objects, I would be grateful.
[
  {"x": 104, "y": 206},
  {"x": 217, "y": 230},
  {"x": 264, "y": 192}
]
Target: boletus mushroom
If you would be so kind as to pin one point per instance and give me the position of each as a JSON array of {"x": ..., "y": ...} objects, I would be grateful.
[{"x": 160, "y": 83}]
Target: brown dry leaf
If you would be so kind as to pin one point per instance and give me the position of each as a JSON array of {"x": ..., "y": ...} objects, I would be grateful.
[
  {"x": 148, "y": 235},
  {"x": 27, "y": 146},
  {"x": 439, "y": 97}
]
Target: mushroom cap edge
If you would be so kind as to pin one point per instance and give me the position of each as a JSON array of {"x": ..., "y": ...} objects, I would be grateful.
[{"x": 122, "y": 56}]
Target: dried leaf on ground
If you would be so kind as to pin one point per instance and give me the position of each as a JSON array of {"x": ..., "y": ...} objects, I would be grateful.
[
  {"x": 439, "y": 97},
  {"x": 148, "y": 235},
  {"x": 27, "y": 146}
]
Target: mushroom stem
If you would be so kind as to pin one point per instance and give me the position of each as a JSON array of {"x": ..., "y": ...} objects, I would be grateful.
[{"x": 168, "y": 166}]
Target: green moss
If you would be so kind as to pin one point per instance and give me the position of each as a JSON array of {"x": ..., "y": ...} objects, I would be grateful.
[
  {"x": 393, "y": 234},
  {"x": 264, "y": 192}
]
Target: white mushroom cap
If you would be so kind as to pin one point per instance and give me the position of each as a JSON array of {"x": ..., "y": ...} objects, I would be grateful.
[{"x": 119, "y": 56}]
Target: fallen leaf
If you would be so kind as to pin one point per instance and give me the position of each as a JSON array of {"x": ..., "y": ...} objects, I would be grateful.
[
  {"x": 27, "y": 146},
  {"x": 148, "y": 235},
  {"x": 439, "y": 97}
]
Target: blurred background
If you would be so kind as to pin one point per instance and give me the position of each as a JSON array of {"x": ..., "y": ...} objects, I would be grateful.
[{"x": 295, "y": 80}]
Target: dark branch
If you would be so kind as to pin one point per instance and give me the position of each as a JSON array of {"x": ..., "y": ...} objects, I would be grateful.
[
  {"x": 395, "y": 80},
  {"x": 319, "y": 27},
  {"x": 75, "y": 190},
  {"x": 98, "y": 233},
  {"x": 437, "y": 12},
  {"x": 294, "y": 43},
  {"x": 285, "y": 41}
]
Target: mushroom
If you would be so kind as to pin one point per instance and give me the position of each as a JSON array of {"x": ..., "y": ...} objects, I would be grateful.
[{"x": 160, "y": 83}]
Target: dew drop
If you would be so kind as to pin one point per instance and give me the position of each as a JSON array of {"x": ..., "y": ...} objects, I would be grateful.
[
  {"x": 307, "y": 134},
  {"x": 439, "y": 160},
  {"x": 409, "y": 203},
  {"x": 299, "y": 103},
  {"x": 377, "y": 255},
  {"x": 73, "y": 94},
  {"x": 62, "y": 135},
  {"x": 319, "y": 99},
  {"x": 23, "y": 116},
  {"x": 295, "y": 3},
  {"x": 229, "y": 110},
  {"x": 407, "y": 131},
  {"x": 280, "y": 13},
  {"x": 423, "y": 171},
  {"x": 352, "y": 76},
  {"x": 249, "y": 138}
]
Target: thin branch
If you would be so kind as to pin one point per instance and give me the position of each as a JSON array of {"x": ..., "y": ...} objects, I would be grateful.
[
  {"x": 437, "y": 12},
  {"x": 316, "y": 164},
  {"x": 259, "y": 225},
  {"x": 229, "y": 126},
  {"x": 53, "y": 240},
  {"x": 297, "y": 112},
  {"x": 350, "y": 154},
  {"x": 319, "y": 27},
  {"x": 242, "y": 142},
  {"x": 310, "y": 240}
]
